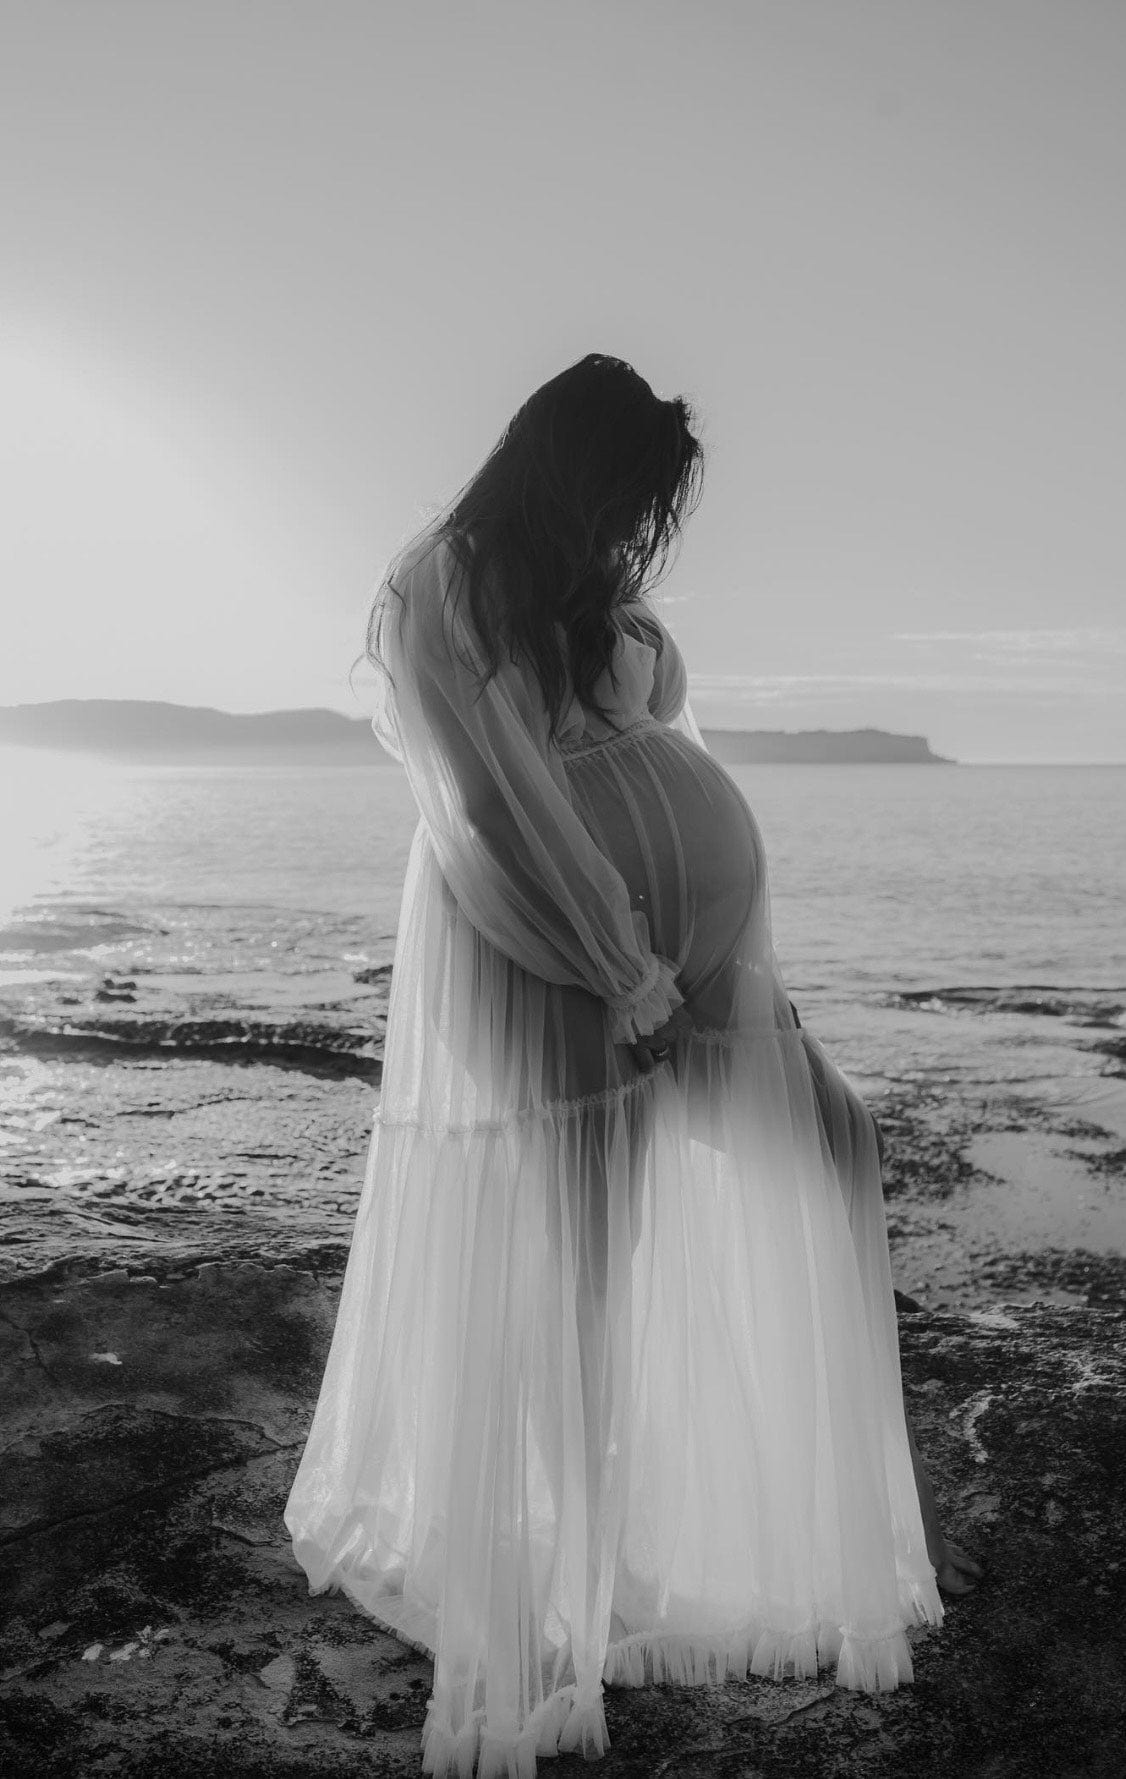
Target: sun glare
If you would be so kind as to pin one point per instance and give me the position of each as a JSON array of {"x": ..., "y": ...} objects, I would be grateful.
[
  {"x": 48, "y": 804},
  {"x": 133, "y": 560}
]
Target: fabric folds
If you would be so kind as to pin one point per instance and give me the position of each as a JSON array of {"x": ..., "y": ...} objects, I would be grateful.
[{"x": 613, "y": 1395}]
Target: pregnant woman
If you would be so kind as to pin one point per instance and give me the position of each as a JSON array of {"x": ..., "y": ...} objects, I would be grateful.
[{"x": 613, "y": 1395}]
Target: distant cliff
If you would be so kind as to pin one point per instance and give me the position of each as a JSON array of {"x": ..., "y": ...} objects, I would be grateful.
[
  {"x": 148, "y": 729},
  {"x": 142, "y": 728},
  {"x": 820, "y": 747}
]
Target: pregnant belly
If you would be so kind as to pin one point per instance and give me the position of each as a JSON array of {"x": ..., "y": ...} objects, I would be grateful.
[{"x": 684, "y": 839}]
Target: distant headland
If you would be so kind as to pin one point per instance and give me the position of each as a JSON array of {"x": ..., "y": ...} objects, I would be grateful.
[{"x": 140, "y": 729}]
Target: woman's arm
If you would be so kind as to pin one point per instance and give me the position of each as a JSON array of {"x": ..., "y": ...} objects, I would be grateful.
[{"x": 495, "y": 801}]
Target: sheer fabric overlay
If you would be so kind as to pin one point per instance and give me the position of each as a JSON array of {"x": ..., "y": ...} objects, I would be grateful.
[{"x": 613, "y": 1395}]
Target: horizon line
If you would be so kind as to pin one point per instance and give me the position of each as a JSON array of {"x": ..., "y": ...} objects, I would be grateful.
[{"x": 722, "y": 727}]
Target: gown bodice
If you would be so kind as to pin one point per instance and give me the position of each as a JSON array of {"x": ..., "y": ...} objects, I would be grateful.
[{"x": 633, "y": 663}]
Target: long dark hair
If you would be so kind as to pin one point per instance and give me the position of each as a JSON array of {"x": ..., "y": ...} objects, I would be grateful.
[{"x": 572, "y": 514}]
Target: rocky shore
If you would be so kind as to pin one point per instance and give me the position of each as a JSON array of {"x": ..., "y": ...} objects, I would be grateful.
[
  {"x": 154, "y": 1620},
  {"x": 179, "y": 1175},
  {"x": 163, "y": 1122}
]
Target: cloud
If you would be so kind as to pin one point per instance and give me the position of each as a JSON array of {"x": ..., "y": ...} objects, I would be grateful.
[
  {"x": 768, "y": 688},
  {"x": 1018, "y": 645}
]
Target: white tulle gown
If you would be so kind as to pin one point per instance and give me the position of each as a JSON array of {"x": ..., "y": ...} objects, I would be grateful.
[{"x": 613, "y": 1395}]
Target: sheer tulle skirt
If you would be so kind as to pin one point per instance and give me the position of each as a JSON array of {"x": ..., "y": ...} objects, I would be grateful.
[{"x": 613, "y": 1394}]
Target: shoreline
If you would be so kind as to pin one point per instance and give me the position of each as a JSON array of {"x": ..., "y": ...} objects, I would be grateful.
[{"x": 158, "y": 1122}]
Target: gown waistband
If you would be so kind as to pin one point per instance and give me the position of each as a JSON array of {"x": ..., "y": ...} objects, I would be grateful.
[{"x": 571, "y": 750}]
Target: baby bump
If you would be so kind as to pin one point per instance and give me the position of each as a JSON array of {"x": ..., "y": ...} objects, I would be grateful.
[{"x": 683, "y": 837}]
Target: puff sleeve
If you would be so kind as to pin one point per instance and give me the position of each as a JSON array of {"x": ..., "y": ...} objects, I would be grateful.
[{"x": 494, "y": 798}]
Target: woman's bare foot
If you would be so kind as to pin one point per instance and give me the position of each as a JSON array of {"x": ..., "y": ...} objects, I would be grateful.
[{"x": 955, "y": 1571}]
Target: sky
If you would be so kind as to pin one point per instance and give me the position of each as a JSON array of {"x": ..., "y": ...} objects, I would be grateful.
[{"x": 275, "y": 276}]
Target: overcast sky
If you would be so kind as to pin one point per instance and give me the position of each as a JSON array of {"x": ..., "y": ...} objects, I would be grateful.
[{"x": 274, "y": 277}]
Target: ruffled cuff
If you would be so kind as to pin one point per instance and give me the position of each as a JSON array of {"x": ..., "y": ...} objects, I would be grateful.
[{"x": 639, "y": 1014}]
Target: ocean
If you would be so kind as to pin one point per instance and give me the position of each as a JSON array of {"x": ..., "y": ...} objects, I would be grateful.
[{"x": 193, "y": 981}]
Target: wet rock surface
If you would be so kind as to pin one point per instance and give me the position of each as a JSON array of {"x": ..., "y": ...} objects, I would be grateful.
[
  {"x": 189, "y": 1127},
  {"x": 180, "y": 1168},
  {"x": 154, "y": 1619},
  {"x": 997, "y": 1195},
  {"x": 165, "y": 1158},
  {"x": 162, "y": 1117}
]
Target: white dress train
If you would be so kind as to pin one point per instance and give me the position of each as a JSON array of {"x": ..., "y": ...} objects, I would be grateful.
[{"x": 613, "y": 1394}]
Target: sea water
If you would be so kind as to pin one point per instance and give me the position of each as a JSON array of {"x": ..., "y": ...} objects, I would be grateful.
[
  {"x": 957, "y": 928},
  {"x": 891, "y": 886}
]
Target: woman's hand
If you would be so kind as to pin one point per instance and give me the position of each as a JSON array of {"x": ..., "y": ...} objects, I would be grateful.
[{"x": 656, "y": 1047}]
